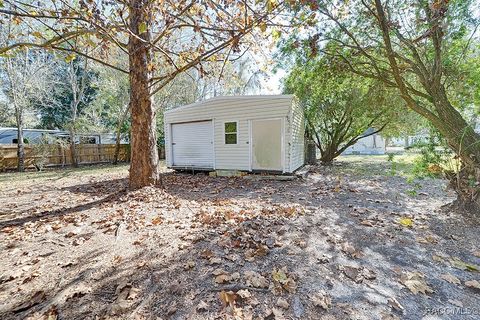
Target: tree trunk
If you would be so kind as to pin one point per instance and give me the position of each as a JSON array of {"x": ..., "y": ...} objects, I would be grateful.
[
  {"x": 465, "y": 142},
  {"x": 118, "y": 134},
  {"x": 327, "y": 157},
  {"x": 465, "y": 183},
  {"x": 73, "y": 149},
  {"x": 20, "y": 147},
  {"x": 310, "y": 152},
  {"x": 144, "y": 157},
  {"x": 460, "y": 136},
  {"x": 329, "y": 153},
  {"x": 19, "y": 119}
]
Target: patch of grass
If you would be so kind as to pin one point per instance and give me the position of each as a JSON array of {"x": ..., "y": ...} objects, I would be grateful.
[
  {"x": 59, "y": 173},
  {"x": 378, "y": 165},
  {"x": 413, "y": 191}
]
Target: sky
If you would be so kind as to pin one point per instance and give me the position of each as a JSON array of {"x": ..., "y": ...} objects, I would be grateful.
[{"x": 273, "y": 85}]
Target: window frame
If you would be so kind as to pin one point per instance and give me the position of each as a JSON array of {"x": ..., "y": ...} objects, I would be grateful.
[{"x": 230, "y": 133}]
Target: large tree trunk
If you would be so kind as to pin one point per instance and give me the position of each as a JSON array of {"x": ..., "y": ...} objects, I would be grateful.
[
  {"x": 329, "y": 154},
  {"x": 20, "y": 147},
  {"x": 460, "y": 136},
  {"x": 144, "y": 157},
  {"x": 465, "y": 142}
]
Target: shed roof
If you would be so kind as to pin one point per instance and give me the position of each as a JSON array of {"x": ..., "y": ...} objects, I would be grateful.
[{"x": 244, "y": 97}]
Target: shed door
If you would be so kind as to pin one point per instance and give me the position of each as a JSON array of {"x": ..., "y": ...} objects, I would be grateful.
[
  {"x": 192, "y": 144},
  {"x": 267, "y": 144}
]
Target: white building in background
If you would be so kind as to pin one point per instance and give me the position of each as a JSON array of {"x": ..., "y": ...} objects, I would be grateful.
[
  {"x": 373, "y": 144},
  {"x": 35, "y": 136},
  {"x": 245, "y": 133},
  {"x": 408, "y": 140}
]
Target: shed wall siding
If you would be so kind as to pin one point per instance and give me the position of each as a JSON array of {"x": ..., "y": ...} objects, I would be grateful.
[
  {"x": 229, "y": 156},
  {"x": 296, "y": 146}
]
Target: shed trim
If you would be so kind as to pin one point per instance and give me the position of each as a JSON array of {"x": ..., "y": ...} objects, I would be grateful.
[{"x": 213, "y": 147}]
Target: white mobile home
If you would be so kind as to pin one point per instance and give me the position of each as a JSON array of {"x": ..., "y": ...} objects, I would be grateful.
[
  {"x": 37, "y": 136},
  {"x": 246, "y": 133}
]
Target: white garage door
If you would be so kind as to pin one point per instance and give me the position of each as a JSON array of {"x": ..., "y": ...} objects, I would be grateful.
[{"x": 192, "y": 144}]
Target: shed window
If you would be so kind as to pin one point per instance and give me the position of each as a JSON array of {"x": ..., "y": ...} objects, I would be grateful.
[{"x": 231, "y": 133}]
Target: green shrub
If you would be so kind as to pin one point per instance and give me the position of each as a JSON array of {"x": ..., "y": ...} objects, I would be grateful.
[
  {"x": 393, "y": 167},
  {"x": 433, "y": 157},
  {"x": 390, "y": 157}
]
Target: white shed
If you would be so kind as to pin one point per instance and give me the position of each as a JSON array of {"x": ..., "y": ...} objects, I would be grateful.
[{"x": 246, "y": 133}]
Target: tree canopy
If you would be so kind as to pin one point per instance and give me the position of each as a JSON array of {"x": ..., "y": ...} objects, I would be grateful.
[
  {"x": 340, "y": 107},
  {"x": 417, "y": 47}
]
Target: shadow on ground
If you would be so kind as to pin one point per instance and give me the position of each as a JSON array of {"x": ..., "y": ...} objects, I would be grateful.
[{"x": 337, "y": 234}]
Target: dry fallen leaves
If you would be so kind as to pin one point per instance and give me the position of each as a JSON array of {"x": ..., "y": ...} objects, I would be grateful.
[
  {"x": 384, "y": 315},
  {"x": 256, "y": 280},
  {"x": 358, "y": 274},
  {"x": 215, "y": 260},
  {"x": 349, "y": 249},
  {"x": 202, "y": 306},
  {"x": 367, "y": 223},
  {"x": 207, "y": 254},
  {"x": 244, "y": 294},
  {"x": 393, "y": 302},
  {"x": 473, "y": 284},
  {"x": 428, "y": 239},
  {"x": 322, "y": 299},
  {"x": 51, "y": 314},
  {"x": 126, "y": 294},
  {"x": 282, "y": 303},
  {"x": 275, "y": 313},
  {"x": 189, "y": 265},
  {"x": 415, "y": 282},
  {"x": 157, "y": 220},
  {"x": 281, "y": 280},
  {"x": 76, "y": 291},
  {"x": 221, "y": 276},
  {"x": 228, "y": 298},
  {"x": 450, "y": 278}
]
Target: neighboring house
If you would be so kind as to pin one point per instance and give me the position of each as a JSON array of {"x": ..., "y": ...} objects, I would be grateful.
[
  {"x": 35, "y": 136},
  {"x": 408, "y": 140},
  {"x": 373, "y": 144},
  {"x": 246, "y": 133}
]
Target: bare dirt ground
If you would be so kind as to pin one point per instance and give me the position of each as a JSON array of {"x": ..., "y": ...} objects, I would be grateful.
[{"x": 347, "y": 242}]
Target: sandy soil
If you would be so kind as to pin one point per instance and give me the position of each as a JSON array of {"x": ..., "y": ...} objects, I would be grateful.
[{"x": 336, "y": 245}]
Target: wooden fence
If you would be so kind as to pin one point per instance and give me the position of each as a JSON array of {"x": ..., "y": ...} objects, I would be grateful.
[{"x": 45, "y": 155}]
